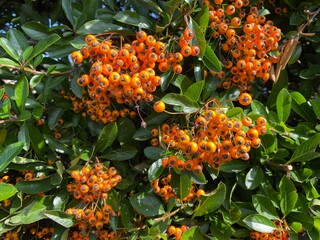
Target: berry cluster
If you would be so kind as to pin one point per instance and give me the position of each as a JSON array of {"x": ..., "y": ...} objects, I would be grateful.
[
  {"x": 280, "y": 233},
  {"x": 127, "y": 73},
  {"x": 214, "y": 139},
  {"x": 42, "y": 233},
  {"x": 97, "y": 111},
  {"x": 11, "y": 235},
  {"x": 91, "y": 185},
  {"x": 161, "y": 186},
  {"x": 176, "y": 231},
  {"x": 249, "y": 42}
]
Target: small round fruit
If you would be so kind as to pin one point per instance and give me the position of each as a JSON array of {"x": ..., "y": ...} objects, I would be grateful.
[
  {"x": 159, "y": 106},
  {"x": 245, "y": 99}
]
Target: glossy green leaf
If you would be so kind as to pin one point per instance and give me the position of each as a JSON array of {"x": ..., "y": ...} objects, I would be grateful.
[
  {"x": 54, "y": 116},
  {"x": 155, "y": 170},
  {"x": 147, "y": 204},
  {"x": 199, "y": 38},
  {"x": 306, "y": 150},
  {"x": 182, "y": 82},
  {"x": 17, "y": 40},
  {"x": 120, "y": 154},
  {"x": 283, "y": 105},
  {"x": 233, "y": 112},
  {"x": 43, "y": 45},
  {"x": 126, "y": 129},
  {"x": 194, "y": 91},
  {"x": 106, "y": 137},
  {"x": 302, "y": 107},
  {"x": 221, "y": 230},
  {"x": 67, "y": 8},
  {"x": 10, "y": 50},
  {"x": 153, "y": 153},
  {"x": 186, "y": 104},
  {"x": 264, "y": 206},
  {"x": 259, "y": 108},
  {"x": 8, "y": 153},
  {"x": 31, "y": 213},
  {"x": 56, "y": 145},
  {"x": 192, "y": 233},
  {"x": 210, "y": 60},
  {"x": 36, "y": 30},
  {"x": 288, "y": 195},
  {"x": 316, "y": 106},
  {"x": 254, "y": 177},
  {"x": 8, "y": 62},
  {"x": 23, "y": 136},
  {"x": 296, "y": 54},
  {"x": 98, "y": 26},
  {"x": 90, "y": 8},
  {"x": 35, "y": 186},
  {"x": 35, "y": 80},
  {"x": 134, "y": 19},
  {"x": 259, "y": 223},
  {"x": 234, "y": 166},
  {"x": 142, "y": 134},
  {"x": 181, "y": 184},
  {"x": 202, "y": 18},
  {"x": 60, "y": 217},
  {"x": 276, "y": 88},
  {"x": 37, "y": 141},
  {"x": 211, "y": 201},
  {"x": 6, "y": 191},
  {"x": 21, "y": 92}
]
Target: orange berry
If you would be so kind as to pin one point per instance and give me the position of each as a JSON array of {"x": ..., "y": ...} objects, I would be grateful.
[
  {"x": 245, "y": 99},
  {"x": 159, "y": 106}
]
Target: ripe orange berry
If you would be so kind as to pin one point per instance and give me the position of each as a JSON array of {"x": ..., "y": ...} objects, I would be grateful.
[
  {"x": 200, "y": 192},
  {"x": 245, "y": 99},
  {"x": 77, "y": 57},
  {"x": 188, "y": 34},
  {"x": 159, "y": 106}
]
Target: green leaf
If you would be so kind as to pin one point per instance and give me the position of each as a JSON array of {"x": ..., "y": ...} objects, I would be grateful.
[
  {"x": 56, "y": 145},
  {"x": 6, "y": 191},
  {"x": 276, "y": 88},
  {"x": 301, "y": 106},
  {"x": 90, "y": 8},
  {"x": 98, "y": 26},
  {"x": 288, "y": 195},
  {"x": 66, "y": 6},
  {"x": 234, "y": 166},
  {"x": 155, "y": 170},
  {"x": 23, "y": 136},
  {"x": 35, "y": 186},
  {"x": 202, "y": 18},
  {"x": 43, "y": 45},
  {"x": 60, "y": 217},
  {"x": 35, "y": 80},
  {"x": 221, "y": 230},
  {"x": 259, "y": 108},
  {"x": 316, "y": 106},
  {"x": 126, "y": 129},
  {"x": 26, "y": 53},
  {"x": 37, "y": 141},
  {"x": 8, "y": 62},
  {"x": 259, "y": 223},
  {"x": 31, "y": 213},
  {"x": 54, "y": 115},
  {"x": 146, "y": 204},
  {"x": 264, "y": 206},
  {"x": 36, "y": 30},
  {"x": 283, "y": 105},
  {"x": 182, "y": 82},
  {"x": 153, "y": 153},
  {"x": 134, "y": 19},
  {"x": 296, "y": 54},
  {"x": 211, "y": 201},
  {"x": 3, "y": 135},
  {"x": 194, "y": 91},
  {"x": 210, "y": 60},
  {"x": 199, "y": 38},
  {"x": 235, "y": 111},
  {"x": 8, "y": 153},
  {"x": 142, "y": 134},
  {"x": 185, "y": 103},
  {"x": 305, "y": 151},
  {"x": 21, "y": 92},
  {"x": 181, "y": 184},
  {"x": 106, "y": 137},
  {"x": 254, "y": 177},
  {"x": 192, "y": 233},
  {"x": 120, "y": 154},
  {"x": 17, "y": 40},
  {"x": 10, "y": 50}
]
